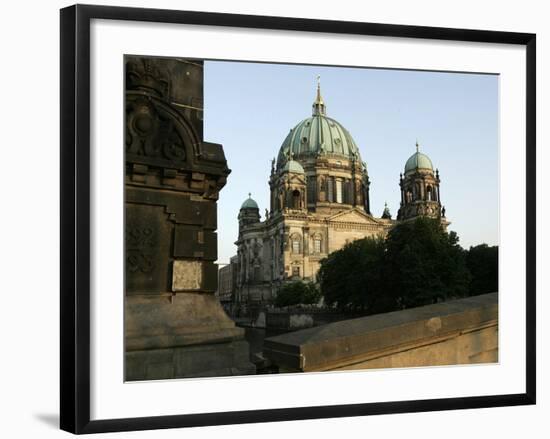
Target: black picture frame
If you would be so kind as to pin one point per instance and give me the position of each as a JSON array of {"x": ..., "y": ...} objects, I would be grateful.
[{"x": 75, "y": 217}]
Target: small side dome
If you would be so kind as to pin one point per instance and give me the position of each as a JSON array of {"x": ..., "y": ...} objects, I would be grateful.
[
  {"x": 249, "y": 203},
  {"x": 293, "y": 166},
  {"x": 418, "y": 161}
]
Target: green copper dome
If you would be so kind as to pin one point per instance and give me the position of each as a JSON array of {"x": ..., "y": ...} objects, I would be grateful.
[
  {"x": 249, "y": 203},
  {"x": 318, "y": 135},
  {"x": 293, "y": 166},
  {"x": 418, "y": 161}
]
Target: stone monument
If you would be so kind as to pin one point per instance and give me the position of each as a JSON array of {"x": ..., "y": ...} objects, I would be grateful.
[{"x": 174, "y": 325}]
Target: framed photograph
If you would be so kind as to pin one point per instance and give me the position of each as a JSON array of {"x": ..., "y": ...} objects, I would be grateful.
[{"x": 276, "y": 218}]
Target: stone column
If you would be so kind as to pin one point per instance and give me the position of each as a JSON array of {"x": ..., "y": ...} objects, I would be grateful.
[
  {"x": 358, "y": 190},
  {"x": 174, "y": 325}
]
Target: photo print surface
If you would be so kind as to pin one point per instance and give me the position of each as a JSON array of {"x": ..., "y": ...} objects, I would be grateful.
[{"x": 286, "y": 218}]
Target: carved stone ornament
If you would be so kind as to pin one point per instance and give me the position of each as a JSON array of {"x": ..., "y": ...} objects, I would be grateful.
[{"x": 153, "y": 134}]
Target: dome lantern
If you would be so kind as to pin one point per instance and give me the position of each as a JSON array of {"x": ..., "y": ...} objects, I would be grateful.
[{"x": 319, "y": 107}]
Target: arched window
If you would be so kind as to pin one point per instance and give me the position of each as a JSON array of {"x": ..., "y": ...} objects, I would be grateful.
[
  {"x": 296, "y": 244},
  {"x": 429, "y": 193},
  {"x": 348, "y": 192},
  {"x": 296, "y": 199},
  {"x": 311, "y": 191},
  {"x": 317, "y": 243},
  {"x": 339, "y": 191},
  {"x": 330, "y": 184},
  {"x": 408, "y": 196}
]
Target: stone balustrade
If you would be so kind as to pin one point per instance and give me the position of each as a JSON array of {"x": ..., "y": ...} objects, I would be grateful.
[{"x": 460, "y": 331}]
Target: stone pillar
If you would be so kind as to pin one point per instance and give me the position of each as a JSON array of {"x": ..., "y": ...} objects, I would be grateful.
[
  {"x": 174, "y": 325},
  {"x": 358, "y": 190}
]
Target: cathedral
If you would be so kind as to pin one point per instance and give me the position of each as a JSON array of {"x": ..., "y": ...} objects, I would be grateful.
[{"x": 319, "y": 202}]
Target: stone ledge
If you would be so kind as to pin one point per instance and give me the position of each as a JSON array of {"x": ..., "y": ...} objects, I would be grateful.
[
  {"x": 347, "y": 343},
  {"x": 156, "y": 322}
]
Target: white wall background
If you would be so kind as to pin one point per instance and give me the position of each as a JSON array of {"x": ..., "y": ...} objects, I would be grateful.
[{"x": 29, "y": 235}]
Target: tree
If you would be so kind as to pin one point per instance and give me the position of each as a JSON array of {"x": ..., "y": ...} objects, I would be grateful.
[
  {"x": 352, "y": 278},
  {"x": 482, "y": 262},
  {"x": 424, "y": 264},
  {"x": 297, "y": 293}
]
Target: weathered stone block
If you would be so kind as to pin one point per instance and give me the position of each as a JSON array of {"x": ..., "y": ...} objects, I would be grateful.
[{"x": 187, "y": 275}]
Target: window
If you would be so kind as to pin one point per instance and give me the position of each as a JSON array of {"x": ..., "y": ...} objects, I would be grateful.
[
  {"x": 311, "y": 191},
  {"x": 429, "y": 193},
  {"x": 338, "y": 191},
  {"x": 347, "y": 192},
  {"x": 296, "y": 245},
  {"x": 295, "y": 271},
  {"x": 296, "y": 199},
  {"x": 330, "y": 190},
  {"x": 317, "y": 245}
]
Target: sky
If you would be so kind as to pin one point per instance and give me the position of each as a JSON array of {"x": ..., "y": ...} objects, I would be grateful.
[{"x": 250, "y": 107}]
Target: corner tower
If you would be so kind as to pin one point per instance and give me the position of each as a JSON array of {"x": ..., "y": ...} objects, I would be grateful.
[
  {"x": 249, "y": 213},
  {"x": 420, "y": 195}
]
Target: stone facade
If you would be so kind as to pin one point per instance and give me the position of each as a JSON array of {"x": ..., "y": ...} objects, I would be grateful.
[
  {"x": 226, "y": 280},
  {"x": 319, "y": 201},
  {"x": 174, "y": 325}
]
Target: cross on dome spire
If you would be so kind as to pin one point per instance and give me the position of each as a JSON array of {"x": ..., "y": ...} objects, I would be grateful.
[
  {"x": 417, "y": 146},
  {"x": 319, "y": 107}
]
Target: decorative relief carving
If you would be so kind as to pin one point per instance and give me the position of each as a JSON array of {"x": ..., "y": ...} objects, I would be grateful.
[
  {"x": 147, "y": 237},
  {"x": 150, "y": 133},
  {"x": 145, "y": 74},
  {"x": 140, "y": 244}
]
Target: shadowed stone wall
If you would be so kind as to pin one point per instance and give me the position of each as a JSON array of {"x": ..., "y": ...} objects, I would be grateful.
[
  {"x": 456, "y": 332},
  {"x": 174, "y": 325}
]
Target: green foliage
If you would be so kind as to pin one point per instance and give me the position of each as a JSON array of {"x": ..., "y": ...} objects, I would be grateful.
[
  {"x": 352, "y": 277},
  {"x": 482, "y": 262},
  {"x": 297, "y": 293},
  {"x": 424, "y": 264},
  {"x": 417, "y": 264}
]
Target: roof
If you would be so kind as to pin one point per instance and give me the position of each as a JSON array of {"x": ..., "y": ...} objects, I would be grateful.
[
  {"x": 249, "y": 203},
  {"x": 317, "y": 135},
  {"x": 418, "y": 161},
  {"x": 293, "y": 166}
]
